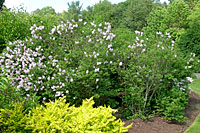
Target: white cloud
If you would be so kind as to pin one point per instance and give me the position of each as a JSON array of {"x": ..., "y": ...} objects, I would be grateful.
[
  {"x": 13, "y": 3},
  {"x": 58, "y": 5}
]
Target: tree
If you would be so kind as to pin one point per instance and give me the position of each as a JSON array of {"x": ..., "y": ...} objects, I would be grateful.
[
  {"x": 48, "y": 10},
  {"x": 45, "y": 11},
  {"x": 1, "y": 3},
  {"x": 175, "y": 20},
  {"x": 136, "y": 13},
  {"x": 189, "y": 40},
  {"x": 88, "y": 13},
  {"x": 118, "y": 15},
  {"x": 74, "y": 10},
  {"x": 155, "y": 21},
  {"x": 100, "y": 12},
  {"x": 172, "y": 19}
]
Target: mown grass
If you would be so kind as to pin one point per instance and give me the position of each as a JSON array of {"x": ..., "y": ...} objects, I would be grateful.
[
  {"x": 195, "y": 127},
  {"x": 195, "y": 85}
]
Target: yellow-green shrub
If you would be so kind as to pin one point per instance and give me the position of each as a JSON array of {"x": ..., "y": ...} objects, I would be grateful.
[
  {"x": 60, "y": 117},
  {"x": 12, "y": 120}
]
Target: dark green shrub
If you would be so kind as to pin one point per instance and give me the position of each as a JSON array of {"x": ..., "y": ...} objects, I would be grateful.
[
  {"x": 171, "y": 104},
  {"x": 189, "y": 41}
]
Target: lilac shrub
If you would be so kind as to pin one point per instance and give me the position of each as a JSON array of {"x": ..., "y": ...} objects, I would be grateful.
[
  {"x": 153, "y": 71},
  {"x": 84, "y": 59},
  {"x": 70, "y": 61}
]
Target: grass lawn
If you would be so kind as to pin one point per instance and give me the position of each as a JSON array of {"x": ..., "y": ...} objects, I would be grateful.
[
  {"x": 195, "y": 127},
  {"x": 195, "y": 85}
]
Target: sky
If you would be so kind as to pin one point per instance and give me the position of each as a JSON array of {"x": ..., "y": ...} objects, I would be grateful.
[{"x": 58, "y": 5}]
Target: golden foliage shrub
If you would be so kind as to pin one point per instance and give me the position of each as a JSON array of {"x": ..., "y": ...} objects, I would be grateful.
[
  {"x": 60, "y": 117},
  {"x": 13, "y": 120}
]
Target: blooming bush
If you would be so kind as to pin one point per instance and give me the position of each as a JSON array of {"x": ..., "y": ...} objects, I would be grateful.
[
  {"x": 63, "y": 65},
  {"x": 152, "y": 70},
  {"x": 79, "y": 60}
]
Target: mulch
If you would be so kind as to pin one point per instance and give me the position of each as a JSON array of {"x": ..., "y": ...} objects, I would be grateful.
[{"x": 159, "y": 125}]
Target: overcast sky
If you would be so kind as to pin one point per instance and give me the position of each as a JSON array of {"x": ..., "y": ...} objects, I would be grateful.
[{"x": 58, "y": 5}]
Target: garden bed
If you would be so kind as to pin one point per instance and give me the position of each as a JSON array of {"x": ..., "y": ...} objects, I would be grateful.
[{"x": 158, "y": 124}]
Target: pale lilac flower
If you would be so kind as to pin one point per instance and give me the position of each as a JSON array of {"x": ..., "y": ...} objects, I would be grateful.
[
  {"x": 98, "y": 63},
  {"x": 120, "y": 64},
  {"x": 105, "y": 62},
  {"x": 63, "y": 71},
  {"x": 96, "y": 70},
  {"x": 58, "y": 93},
  {"x": 17, "y": 72},
  {"x": 143, "y": 50},
  {"x": 93, "y": 31},
  {"x": 90, "y": 40},
  {"x": 63, "y": 84},
  {"x": 26, "y": 71},
  {"x": 87, "y": 72},
  {"x": 44, "y": 98},
  {"x": 189, "y": 79},
  {"x": 111, "y": 49},
  {"x": 110, "y": 45}
]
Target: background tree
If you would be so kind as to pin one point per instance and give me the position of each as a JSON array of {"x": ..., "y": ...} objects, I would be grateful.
[
  {"x": 155, "y": 20},
  {"x": 1, "y": 3},
  {"x": 136, "y": 13},
  {"x": 118, "y": 14},
  {"x": 100, "y": 12},
  {"x": 45, "y": 11},
  {"x": 175, "y": 20},
  {"x": 189, "y": 40},
  {"x": 74, "y": 10}
]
